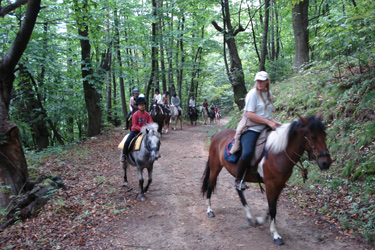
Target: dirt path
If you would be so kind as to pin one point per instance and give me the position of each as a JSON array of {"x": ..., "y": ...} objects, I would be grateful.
[{"x": 174, "y": 215}]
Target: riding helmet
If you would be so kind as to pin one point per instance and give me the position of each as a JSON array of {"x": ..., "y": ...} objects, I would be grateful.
[
  {"x": 157, "y": 90},
  {"x": 140, "y": 100},
  {"x": 174, "y": 94},
  {"x": 135, "y": 91},
  {"x": 166, "y": 92}
]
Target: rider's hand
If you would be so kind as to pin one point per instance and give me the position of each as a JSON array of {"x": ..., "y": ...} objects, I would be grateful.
[{"x": 273, "y": 124}]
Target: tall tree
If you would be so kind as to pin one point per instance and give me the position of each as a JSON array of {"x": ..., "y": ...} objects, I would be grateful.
[
  {"x": 92, "y": 95},
  {"x": 263, "y": 52},
  {"x": 300, "y": 15},
  {"x": 13, "y": 167},
  {"x": 235, "y": 73}
]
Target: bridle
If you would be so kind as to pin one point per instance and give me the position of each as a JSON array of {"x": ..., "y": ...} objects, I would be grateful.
[
  {"x": 313, "y": 150},
  {"x": 149, "y": 148}
]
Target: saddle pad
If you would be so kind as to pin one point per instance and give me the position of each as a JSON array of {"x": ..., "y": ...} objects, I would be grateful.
[
  {"x": 233, "y": 158},
  {"x": 259, "y": 151},
  {"x": 137, "y": 143}
]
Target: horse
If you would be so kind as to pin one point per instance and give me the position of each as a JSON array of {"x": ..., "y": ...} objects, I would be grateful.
[
  {"x": 176, "y": 116},
  {"x": 193, "y": 115},
  {"x": 204, "y": 114},
  {"x": 217, "y": 116},
  {"x": 157, "y": 115},
  {"x": 284, "y": 148},
  {"x": 212, "y": 116},
  {"x": 145, "y": 157},
  {"x": 166, "y": 123}
]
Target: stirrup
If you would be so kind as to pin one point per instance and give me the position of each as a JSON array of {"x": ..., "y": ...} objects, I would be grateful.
[{"x": 241, "y": 186}]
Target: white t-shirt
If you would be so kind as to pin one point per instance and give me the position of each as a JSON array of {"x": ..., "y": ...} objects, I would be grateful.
[
  {"x": 192, "y": 103},
  {"x": 255, "y": 104},
  {"x": 157, "y": 98}
]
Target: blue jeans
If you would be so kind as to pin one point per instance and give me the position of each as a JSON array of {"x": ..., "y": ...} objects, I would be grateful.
[{"x": 248, "y": 142}]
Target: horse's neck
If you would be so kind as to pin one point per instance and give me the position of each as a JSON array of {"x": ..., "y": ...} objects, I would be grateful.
[{"x": 295, "y": 149}]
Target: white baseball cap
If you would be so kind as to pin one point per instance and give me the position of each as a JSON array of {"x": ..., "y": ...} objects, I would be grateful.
[{"x": 261, "y": 75}]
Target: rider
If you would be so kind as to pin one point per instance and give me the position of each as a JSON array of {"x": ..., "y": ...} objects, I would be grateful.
[
  {"x": 192, "y": 103},
  {"x": 165, "y": 105},
  {"x": 158, "y": 99},
  {"x": 175, "y": 101},
  {"x": 140, "y": 118},
  {"x": 257, "y": 115},
  {"x": 205, "y": 105},
  {"x": 132, "y": 107}
]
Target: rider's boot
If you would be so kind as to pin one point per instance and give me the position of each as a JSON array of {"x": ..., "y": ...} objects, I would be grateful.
[{"x": 242, "y": 165}]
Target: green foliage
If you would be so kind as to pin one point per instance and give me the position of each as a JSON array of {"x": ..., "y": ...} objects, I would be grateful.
[{"x": 349, "y": 119}]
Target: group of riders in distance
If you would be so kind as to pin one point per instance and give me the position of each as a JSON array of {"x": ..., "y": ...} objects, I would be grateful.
[
  {"x": 162, "y": 102},
  {"x": 261, "y": 149}
]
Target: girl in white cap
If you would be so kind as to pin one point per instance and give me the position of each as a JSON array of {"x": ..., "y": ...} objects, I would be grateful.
[{"x": 257, "y": 115}]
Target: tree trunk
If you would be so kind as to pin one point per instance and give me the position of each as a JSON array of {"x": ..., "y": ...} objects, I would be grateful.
[
  {"x": 153, "y": 81},
  {"x": 263, "y": 52},
  {"x": 236, "y": 75},
  {"x": 13, "y": 167},
  {"x": 273, "y": 49},
  {"x": 92, "y": 96},
  {"x": 119, "y": 61},
  {"x": 301, "y": 34},
  {"x": 31, "y": 107}
]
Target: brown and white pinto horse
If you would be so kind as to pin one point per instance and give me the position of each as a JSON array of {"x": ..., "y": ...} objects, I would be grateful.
[{"x": 285, "y": 146}]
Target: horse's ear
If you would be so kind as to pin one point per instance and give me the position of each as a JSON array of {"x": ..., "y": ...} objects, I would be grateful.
[
  {"x": 147, "y": 131},
  {"x": 303, "y": 120},
  {"x": 319, "y": 115}
]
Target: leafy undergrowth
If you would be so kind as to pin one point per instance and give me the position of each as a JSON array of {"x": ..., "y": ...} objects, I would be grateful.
[
  {"x": 89, "y": 205},
  {"x": 344, "y": 195}
]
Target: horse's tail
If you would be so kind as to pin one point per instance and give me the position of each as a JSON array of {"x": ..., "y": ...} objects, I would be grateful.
[{"x": 205, "y": 178}]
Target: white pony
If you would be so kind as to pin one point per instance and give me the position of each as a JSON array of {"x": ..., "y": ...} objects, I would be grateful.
[{"x": 145, "y": 157}]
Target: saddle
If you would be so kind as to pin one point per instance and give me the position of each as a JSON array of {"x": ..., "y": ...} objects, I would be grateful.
[
  {"x": 134, "y": 144},
  {"x": 259, "y": 152}
]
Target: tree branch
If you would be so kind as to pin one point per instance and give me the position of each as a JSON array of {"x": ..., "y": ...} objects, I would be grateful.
[
  {"x": 217, "y": 27},
  {"x": 20, "y": 42},
  {"x": 240, "y": 29},
  {"x": 5, "y": 10}
]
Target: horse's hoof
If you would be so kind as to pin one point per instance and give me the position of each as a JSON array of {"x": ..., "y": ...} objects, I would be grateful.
[
  {"x": 126, "y": 184},
  {"x": 278, "y": 241},
  {"x": 210, "y": 214},
  {"x": 143, "y": 198},
  {"x": 251, "y": 222}
]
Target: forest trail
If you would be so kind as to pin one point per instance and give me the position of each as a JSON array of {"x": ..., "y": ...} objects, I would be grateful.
[
  {"x": 96, "y": 212},
  {"x": 174, "y": 215}
]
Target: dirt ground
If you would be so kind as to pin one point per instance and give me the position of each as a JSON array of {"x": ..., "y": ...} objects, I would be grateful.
[{"x": 174, "y": 214}]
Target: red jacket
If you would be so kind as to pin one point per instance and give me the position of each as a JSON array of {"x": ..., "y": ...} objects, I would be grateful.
[{"x": 140, "y": 119}]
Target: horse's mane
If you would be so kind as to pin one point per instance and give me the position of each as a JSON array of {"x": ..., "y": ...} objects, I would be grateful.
[
  {"x": 278, "y": 139},
  {"x": 153, "y": 127}
]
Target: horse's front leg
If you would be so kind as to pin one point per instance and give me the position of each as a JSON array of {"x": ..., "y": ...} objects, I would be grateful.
[
  {"x": 272, "y": 209},
  {"x": 141, "y": 181},
  {"x": 125, "y": 167},
  {"x": 149, "y": 170}
]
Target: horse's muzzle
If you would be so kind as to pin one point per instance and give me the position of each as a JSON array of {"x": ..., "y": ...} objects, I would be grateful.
[
  {"x": 324, "y": 160},
  {"x": 154, "y": 155}
]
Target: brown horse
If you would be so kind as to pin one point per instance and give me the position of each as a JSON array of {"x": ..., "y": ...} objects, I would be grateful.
[{"x": 285, "y": 146}]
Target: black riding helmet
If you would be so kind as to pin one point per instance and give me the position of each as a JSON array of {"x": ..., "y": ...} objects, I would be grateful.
[
  {"x": 140, "y": 100},
  {"x": 174, "y": 94}
]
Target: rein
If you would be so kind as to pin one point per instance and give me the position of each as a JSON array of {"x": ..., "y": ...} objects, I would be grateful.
[{"x": 301, "y": 167}]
